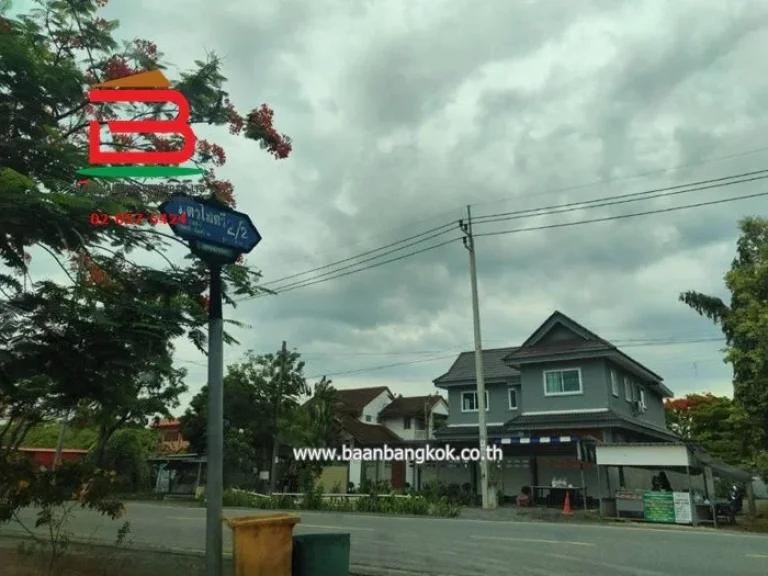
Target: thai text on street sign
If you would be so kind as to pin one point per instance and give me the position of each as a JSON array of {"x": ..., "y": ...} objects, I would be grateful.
[{"x": 213, "y": 230}]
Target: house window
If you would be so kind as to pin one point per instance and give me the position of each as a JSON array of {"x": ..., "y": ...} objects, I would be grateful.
[
  {"x": 513, "y": 398},
  {"x": 562, "y": 382},
  {"x": 642, "y": 397},
  {"x": 615, "y": 383},
  {"x": 469, "y": 402},
  {"x": 368, "y": 417},
  {"x": 407, "y": 424},
  {"x": 627, "y": 389}
]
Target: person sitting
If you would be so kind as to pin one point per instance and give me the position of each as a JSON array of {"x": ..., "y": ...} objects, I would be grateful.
[{"x": 524, "y": 498}]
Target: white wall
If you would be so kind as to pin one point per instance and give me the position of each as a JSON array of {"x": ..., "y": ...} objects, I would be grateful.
[
  {"x": 375, "y": 406},
  {"x": 441, "y": 408},
  {"x": 355, "y": 472},
  {"x": 397, "y": 426}
]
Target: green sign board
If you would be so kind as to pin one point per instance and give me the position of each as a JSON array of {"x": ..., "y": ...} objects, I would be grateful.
[
  {"x": 659, "y": 507},
  {"x": 667, "y": 507}
]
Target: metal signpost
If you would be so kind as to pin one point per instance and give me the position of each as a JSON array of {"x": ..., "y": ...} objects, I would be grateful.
[{"x": 218, "y": 235}]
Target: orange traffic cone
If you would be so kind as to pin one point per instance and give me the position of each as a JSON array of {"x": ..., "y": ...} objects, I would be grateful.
[{"x": 567, "y": 510}]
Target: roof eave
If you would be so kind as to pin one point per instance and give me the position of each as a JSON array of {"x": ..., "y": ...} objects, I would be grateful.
[{"x": 587, "y": 354}]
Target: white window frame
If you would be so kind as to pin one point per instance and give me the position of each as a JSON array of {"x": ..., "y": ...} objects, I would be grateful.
[
  {"x": 642, "y": 398},
  {"x": 474, "y": 392},
  {"x": 581, "y": 382},
  {"x": 614, "y": 383},
  {"x": 510, "y": 390},
  {"x": 627, "y": 389}
]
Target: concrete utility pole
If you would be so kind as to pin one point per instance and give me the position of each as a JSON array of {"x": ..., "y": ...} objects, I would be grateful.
[
  {"x": 469, "y": 244},
  {"x": 214, "y": 485},
  {"x": 60, "y": 443},
  {"x": 278, "y": 401}
]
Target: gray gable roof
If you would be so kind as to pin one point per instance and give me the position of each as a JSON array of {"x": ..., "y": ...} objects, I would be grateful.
[{"x": 494, "y": 368}]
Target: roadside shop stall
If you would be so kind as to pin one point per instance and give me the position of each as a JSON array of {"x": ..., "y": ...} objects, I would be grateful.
[{"x": 666, "y": 482}]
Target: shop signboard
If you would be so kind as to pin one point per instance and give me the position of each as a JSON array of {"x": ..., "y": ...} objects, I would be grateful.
[{"x": 667, "y": 507}]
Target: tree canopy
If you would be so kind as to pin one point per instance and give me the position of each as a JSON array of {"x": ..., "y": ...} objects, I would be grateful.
[
  {"x": 744, "y": 321},
  {"x": 98, "y": 343},
  {"x": 263, "y": 401}
]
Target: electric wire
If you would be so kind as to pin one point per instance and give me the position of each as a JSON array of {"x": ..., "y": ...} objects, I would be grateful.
[
  {"x": 465, "y": 350},
  {"x": 626, "y": 198},
  {"x": 332, "y": 276},
  {"x": 623, "y": 216},
  {"x": 440, "y": 230}
]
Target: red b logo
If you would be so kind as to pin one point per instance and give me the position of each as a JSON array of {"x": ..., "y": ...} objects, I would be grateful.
[{"x": 141, "y": 88}]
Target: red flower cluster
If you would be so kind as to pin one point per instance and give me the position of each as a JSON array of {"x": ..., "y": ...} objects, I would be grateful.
[
  {"x": 82, "y": 262},
  {"x": 4, "y": 25},
  {"x": 205, "y": 300},
  {"x": 123, "y": 139},
  {"x": 100, "y": 23},
  {"x": 117, "y": 67},
  {"x": 27, "y": 257},
  {"x": 236, "y": 121},
  {"x": 146, "y": 47},
  {"x": 223, "y": 190},
  {"x": 101, "y": 3},
  {"x": 260, "y": 128},
  {"x": 240, "y": 259},
  {"x": 162, "y": 144},
  {"x": 212, "y": 152}
]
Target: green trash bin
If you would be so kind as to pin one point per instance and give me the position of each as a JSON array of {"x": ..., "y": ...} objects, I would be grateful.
[{"x": 320, "y": 555}]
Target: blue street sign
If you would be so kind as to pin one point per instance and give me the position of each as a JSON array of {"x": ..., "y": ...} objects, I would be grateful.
[{"x": 210, "y": 224}]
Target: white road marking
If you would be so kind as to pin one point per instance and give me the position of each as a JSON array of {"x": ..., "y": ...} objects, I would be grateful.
[
  {"x": 757, "y": 555},
  {"x": 532, "y": 540}
]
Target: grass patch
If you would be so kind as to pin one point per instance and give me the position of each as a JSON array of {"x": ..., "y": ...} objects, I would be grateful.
[{"x": 85, "y": 560}]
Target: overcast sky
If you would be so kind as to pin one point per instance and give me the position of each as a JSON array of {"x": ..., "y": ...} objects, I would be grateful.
[{"x": 403, "y": 112}]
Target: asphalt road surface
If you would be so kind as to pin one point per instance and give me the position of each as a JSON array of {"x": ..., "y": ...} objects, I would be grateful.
[{"x": 462, "y": 547}]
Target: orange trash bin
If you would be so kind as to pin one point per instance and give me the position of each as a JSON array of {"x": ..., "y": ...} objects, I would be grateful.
[{"x": 263, "y": 545}]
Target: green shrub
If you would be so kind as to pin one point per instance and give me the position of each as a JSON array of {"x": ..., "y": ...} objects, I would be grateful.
[{"x": 315, "y": 500}]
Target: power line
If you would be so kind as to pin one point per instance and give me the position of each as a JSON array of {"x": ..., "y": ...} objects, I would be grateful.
[
  {"x": 444, "y": 230},
  {"x": 622, "y": 343},
  {"x": 383, "y": 366},
  {"x": 375, "y": 265},
  {"x": 623, "y": 216},
  {"x": 626, "y": 198},
  {"x": 354, "y": 267},
  {"x": 462, "y": 350},
  {"x": 437, "y": 229},
  {"x": 565, "y": 189},
  {"x": 331, "y": 276},
  {"x": 625, "y": 178}
]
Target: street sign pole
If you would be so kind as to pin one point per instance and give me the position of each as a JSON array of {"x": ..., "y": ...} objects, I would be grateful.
[
  {"x": 214, "y": 485},
  {"x": 217, "y": 235}
]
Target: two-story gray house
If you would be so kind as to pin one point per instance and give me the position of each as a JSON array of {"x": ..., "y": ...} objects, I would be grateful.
[{"x": 548, "y": 402}]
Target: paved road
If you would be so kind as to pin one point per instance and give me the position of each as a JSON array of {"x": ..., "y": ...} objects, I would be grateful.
[{"x": 461, "y": 547}]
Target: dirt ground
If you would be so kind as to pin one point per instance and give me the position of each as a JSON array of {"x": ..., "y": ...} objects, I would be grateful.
[{"x": 101, "y": 561}]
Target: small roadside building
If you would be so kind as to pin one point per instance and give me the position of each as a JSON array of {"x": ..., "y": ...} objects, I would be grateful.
[{"x": 627, "y": 474}]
